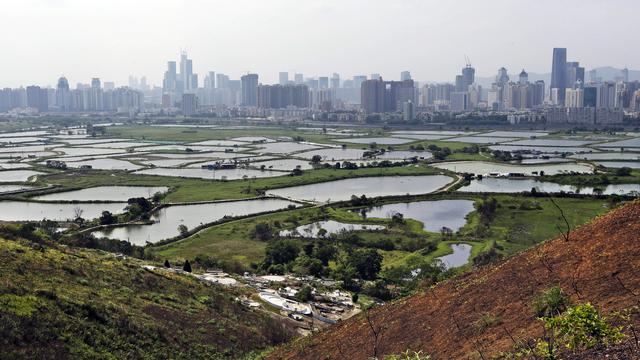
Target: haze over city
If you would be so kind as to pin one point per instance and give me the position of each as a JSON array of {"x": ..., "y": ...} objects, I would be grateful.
[{"x": 115, "y": 39}]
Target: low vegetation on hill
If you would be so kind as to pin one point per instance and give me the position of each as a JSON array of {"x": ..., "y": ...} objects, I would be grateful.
[{"x": 59, "y": 302}]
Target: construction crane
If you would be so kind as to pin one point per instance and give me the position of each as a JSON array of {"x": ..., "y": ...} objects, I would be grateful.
[{"x": 467, "y": 61}]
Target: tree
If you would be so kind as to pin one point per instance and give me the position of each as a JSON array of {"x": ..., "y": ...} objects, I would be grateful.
[
  {"x": 183, "y": 230},
  {"x": 144, "y": 203},
  {"x": 281, "y": 252},
  {"x": 366, "y": 262},
  {"x": 77, "y": 215},
  {"x": 446, "y": 232},
  {"x": 305, "y": 265},
  {"x": 107, "y": 218},
  {"x": 487, "y": 210},
  {"x": 623, "y": 171},
  {"x": 49, "y": 226},
  {"x": 397, "y": 219},
  {"x": 187, "y": 266},
  {"x": 315, "y": 159},
  {"x": 263, "y": 231},
  {"x": 167, "y": 264},
  {"x": 304, "y": 294}
]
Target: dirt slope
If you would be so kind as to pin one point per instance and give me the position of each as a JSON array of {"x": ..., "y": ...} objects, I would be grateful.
[{"x": 600, "y": 263}]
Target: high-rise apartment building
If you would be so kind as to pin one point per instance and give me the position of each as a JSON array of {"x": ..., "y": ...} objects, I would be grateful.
[
  {"x": 378, "y": 96},
  {"x": 63, "y": 96},
  {"x": 372, "y": 93},
  {"x": 323, "y": 82},
  {"x": 249, "y": 90},
  {"x": 283, "y": 96},
  {"x": 335, "y": 81},
  {"x": 283, "y": 78},
  {"x": 574, "y": 98},
  {"x": 37, "y": 98},
  {"x": 189, "y": 104}
]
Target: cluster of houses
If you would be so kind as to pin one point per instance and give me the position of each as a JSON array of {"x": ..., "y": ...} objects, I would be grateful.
[{"x": 328, "y": 306}]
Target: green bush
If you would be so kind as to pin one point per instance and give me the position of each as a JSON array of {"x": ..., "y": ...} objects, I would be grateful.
[
  {"x": 582, "y": 327},
  {"x": 551, "y": 302}
]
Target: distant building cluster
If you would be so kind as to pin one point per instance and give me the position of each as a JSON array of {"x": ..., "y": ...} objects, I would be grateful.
[
  {"x": 568, "y": 99},
  {"x": 84, "y": 98}
]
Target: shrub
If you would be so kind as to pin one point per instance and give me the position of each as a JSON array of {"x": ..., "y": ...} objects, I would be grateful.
[
  {"x": 409, "y": 355},
  {"x": 263, "y": 232},
  {"x": 623, "y": 171},
  {"x": 187, "y": 266},
  {"x": 304, "y": 294},
  {"x": 107, "y": 218},
  {"x": 582, "y": 327},
  {"x": 551, "y": 302}
]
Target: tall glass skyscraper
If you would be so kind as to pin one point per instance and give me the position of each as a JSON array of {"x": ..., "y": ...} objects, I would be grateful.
[{"x": 559, "y": 72}]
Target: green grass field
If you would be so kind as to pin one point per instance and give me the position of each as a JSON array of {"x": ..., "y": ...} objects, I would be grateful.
[{"x": 516, "y": 228}]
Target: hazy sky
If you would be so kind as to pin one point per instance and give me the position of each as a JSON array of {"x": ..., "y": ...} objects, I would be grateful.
[{"x": 110, "y": 39}]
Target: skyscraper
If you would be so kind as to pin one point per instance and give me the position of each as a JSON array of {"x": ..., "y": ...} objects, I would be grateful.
[
  {"x": 459, "y": 83},
  {"x": 575, "y": 74},
  {"x": 335, "y": 81},
  {"x": 170, "y": 78},
  {"x": 468, "y": 77},
  {"x": 378, "y": 96},
  {"x": 249, "y": 90},
  {"x": 502, "y": 77},
  {"x": 405, "y": 75},
  {"x": 96, "y": 97},
  {"x": 37, "y": 98},
  {"x": 189, "y": 104},
  {"x": 559, "y": 72},
  {"x": 283, "y": 96},
  {"x": 523, "y": 78},
  {"x": 186, "y": 77},
  {"x": 63, "y": 96},
  {"x": 283, "y": 78},
  {"x": 372, "y": 96},
  {"x": 298, "y": 79},
  {"x": 323, "y": 82},
  {"x": 210, "y": 80}
]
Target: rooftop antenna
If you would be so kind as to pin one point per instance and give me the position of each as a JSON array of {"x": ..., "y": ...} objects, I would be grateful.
[{"x": 467, "y": 61}]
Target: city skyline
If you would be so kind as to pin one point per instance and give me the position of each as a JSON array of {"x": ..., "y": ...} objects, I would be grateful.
[{"x": 116, "y": 39}]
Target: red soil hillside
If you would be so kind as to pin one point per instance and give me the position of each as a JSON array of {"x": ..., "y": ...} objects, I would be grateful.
[{"x": 600, "y": 263}]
